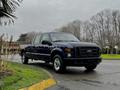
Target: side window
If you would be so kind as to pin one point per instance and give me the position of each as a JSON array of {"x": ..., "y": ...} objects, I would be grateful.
[
  {"x": 45, "y": 37},
  {"x": 37, "y": 39}
]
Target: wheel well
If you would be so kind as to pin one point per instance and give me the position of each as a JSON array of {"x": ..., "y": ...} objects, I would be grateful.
[{"x": 56, "y": 53}]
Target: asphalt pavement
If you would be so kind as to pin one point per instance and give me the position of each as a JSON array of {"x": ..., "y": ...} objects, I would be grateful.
[{"x": 105, "y": 77}]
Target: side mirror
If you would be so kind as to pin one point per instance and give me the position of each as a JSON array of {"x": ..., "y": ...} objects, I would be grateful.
[{"x": 45, "y": 42}]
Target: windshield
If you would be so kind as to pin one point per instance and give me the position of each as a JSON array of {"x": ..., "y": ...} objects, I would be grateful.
[{"x": 63, "y": 37}]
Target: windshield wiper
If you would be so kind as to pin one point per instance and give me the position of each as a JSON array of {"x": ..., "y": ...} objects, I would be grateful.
[
  {"x": 72, "y": 41},
  {"x": 58, "y": 41},
  {"x": 65, "y": 41}
]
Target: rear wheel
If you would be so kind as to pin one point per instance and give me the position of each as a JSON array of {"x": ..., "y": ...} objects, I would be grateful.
[
  {"x": 90, "y": 67},
  {"x": 24, "y": 59},
  {"x": 58, "y": 64}
]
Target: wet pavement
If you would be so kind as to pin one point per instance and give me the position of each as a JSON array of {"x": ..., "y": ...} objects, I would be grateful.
[{"x": 105, "y": 77}]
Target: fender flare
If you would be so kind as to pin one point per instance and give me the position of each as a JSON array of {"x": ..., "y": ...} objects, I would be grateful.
[{"x": 57, "y": 51}]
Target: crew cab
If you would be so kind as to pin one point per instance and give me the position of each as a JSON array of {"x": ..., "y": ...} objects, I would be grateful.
[{"x": 62, "y": 49}]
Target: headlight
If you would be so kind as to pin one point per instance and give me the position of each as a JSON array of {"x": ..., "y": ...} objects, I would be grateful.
[{"x": 68, "y": 52}]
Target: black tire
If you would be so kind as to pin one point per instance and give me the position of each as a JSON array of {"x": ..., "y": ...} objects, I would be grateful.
[
  {"x": 90, "y": 67},
  {"x": 58, "y": 64},
  {"x": 24, "y": 59}
]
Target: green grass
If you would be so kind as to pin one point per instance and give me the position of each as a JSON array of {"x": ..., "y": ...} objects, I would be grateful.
[
  {"x": 23, "y": 75},
  {"x": 110, "y": 56}
]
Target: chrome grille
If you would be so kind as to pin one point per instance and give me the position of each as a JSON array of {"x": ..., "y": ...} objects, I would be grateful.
[{"x": 85, "y": 52}]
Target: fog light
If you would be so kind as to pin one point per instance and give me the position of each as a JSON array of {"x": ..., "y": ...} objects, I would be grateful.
[{"x": 69, "y": 55}]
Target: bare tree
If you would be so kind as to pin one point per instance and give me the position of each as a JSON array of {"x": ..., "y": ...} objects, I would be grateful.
[
  {"x": 104, "y": 27},
  {"x": 88, "y": 32},
  {"x": 1, "y": 45},
  {"x": 73, "y": 27},
  {"x": 26, "y": 38}
]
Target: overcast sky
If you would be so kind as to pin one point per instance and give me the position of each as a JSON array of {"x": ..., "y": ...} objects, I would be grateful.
[{"x": 46, "y": 15}]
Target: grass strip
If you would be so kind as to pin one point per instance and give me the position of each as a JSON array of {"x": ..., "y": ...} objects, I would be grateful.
[
  {"x": 22, "y": 76},
  {"x": 111, "y": 56}
]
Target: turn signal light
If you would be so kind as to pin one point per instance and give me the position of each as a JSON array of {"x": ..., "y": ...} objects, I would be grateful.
[{"x": 67, "y": 49}]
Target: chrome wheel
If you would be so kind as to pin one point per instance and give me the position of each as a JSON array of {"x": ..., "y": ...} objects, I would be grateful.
[{"x": 57, "y": 64}]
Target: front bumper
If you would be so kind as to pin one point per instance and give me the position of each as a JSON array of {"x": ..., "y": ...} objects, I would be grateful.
[{"x": 82, "y": 61}]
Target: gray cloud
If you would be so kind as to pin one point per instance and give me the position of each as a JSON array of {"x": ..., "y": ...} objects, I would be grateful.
[{"x": 46, "y": 15}]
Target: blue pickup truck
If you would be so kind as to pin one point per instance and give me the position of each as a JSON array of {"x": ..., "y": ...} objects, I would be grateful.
[{"x": 62, "y": 49}]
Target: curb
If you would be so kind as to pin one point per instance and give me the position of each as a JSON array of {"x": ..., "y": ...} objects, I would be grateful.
[{"x": 43, "y": 84}]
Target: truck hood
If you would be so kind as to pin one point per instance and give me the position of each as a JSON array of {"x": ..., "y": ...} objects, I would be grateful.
[{"x": 76, "y": 44}]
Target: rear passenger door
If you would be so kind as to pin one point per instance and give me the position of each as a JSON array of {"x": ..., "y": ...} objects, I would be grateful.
[
  {"x": 30, "y": 49},
  {"x": 35, "y": 47}
]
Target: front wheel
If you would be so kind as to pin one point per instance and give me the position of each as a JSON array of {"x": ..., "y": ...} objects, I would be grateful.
[
  {"x": 58, "y": 64},
  {"x": 90, "y": 67}
]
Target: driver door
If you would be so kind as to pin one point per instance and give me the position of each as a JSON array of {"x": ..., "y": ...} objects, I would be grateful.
[{"x": 43, "y": 49}]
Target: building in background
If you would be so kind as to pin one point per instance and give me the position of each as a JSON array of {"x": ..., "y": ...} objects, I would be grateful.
[{"x": 9, "y": 47}]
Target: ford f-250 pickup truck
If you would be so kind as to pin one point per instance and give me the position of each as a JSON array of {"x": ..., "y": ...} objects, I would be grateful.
[{"x": 62, "y": 49}]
